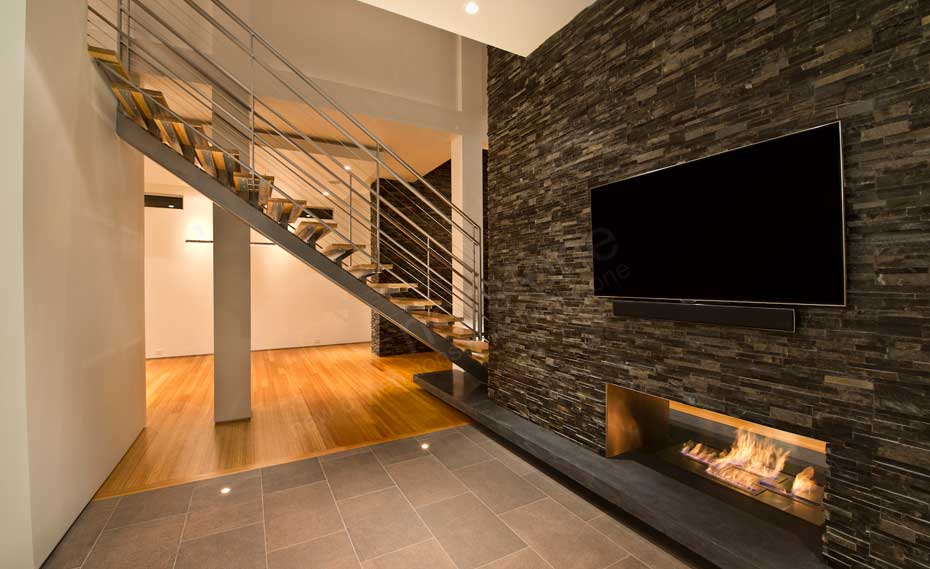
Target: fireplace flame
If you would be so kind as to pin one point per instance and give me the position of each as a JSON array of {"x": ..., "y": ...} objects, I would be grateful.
[
  {"x": 753, "y": 463},
  {"x": 749, "y": 452},
  {"x": 804, "y": 484}
]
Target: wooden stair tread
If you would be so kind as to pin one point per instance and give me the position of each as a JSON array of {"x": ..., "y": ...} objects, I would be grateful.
[
  {"x": 435, "y": 317},
  {"x": 344, "y": 247},
  {"x": 369, "y": 266},
  {"x": 458, "y": 332},
  {"x": 394, "y": 286},
  {"x": 313, "y": 229},
  {"x": 472, "y": 345},
  {"x": 414, "y": 302},
  {"x": 480, "y": 357}
]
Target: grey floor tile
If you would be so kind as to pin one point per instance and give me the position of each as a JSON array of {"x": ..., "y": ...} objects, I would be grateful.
[
  {"x": 330, "y": 552},
  {"x": 242, "y": 548},
  {"x": 469, "y": 532},
  {"x": 509, "y": 459},
  {"x": 300, "y": 514},
  {"x": 425, "y": 481},
  {"x": 147, "y": 545},
  {"x": 498, "y": 486},
  {"x": 356, "y": 475},
  {"x": 575, "y": 503},
  {"x": 523, "y": 559},
  {"x": 381, "y": 522},
  {"x": 426, "y": 555},
  {"x": 224, "y": 503},
  {"x": 639, "y": 546},
  {"x": 221, "y": 517},
  {"x": 455, "y": 450},
  {"x": 475, "y": 434},
  {"x": 151, "y": 505},
  {"x": 629, "y": 563},
  {"x": 399, "y": 451},
  {"x": 291, "y": 474},
  {"x": 233, "y": 489},
  {"x": 344, "y": 453},
  {"x": 73, "y": 548},
  {"x": 561, "y": 538}
]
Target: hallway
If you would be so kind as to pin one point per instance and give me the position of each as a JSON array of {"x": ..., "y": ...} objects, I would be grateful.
[{"x": 305, "y": 402}]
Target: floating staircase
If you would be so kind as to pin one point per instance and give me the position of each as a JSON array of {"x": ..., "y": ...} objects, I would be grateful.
[{"x": 418, "y": 290}]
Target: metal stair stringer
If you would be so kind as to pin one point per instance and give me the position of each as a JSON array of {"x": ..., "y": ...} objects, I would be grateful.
[{"x": 219, "y": 194}]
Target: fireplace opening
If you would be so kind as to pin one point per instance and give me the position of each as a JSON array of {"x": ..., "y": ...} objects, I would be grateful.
[{"x": 774, "y": 473}]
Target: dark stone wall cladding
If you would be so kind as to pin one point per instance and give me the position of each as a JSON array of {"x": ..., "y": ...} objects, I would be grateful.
[
  {"x": 386, "y": 338},
  {"x": 631, "y": 86}
]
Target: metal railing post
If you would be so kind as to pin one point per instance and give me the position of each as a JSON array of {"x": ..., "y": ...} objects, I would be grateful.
[
  {"x": 252, "y": 102},
  {"x": 377, "y": 242},
  {"x": 351, "y": 211}
]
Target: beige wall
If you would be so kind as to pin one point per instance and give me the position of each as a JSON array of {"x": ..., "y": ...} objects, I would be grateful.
[
  {"x": 84, "y": 313},
  {"x": 292, "y": 305},
  {"x": 15, "y": 523}
]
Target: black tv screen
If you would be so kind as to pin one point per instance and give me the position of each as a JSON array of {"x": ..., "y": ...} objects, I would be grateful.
[{"x": 759, "y": 224}]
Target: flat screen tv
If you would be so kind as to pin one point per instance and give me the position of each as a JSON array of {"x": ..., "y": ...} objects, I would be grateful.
[{"x": 761, "y": 224}]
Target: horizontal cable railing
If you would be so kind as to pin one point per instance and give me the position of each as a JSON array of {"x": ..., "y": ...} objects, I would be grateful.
[{"x": 226, "y": 81}]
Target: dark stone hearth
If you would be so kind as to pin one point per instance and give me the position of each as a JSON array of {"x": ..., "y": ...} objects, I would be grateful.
[
  {"x": 722, "y": 532},
  {"x": 631, "y": 86}
]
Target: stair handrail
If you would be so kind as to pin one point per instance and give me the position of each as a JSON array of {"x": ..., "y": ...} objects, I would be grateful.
[
  {"x": 307, "y": 178},
  {"x": 336, "y": 105},
  {"x": 469, "y": 229}
]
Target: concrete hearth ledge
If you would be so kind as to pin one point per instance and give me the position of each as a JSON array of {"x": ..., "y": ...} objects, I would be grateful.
[{"x": 722, "y": 533}]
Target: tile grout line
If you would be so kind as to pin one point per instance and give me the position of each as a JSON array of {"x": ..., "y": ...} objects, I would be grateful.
[
  {"x": 342, "y": 519},
  {"x": 530, "y": 547},
  {"x": 261, "y": 497},
  {"x": 99, "y": 535},
  {"x": 365, "y": 494},
  {"x": 427, "y": 540},
  {"x": 177, "y": 552},
  {"x": 506, "y": 556},
  {"x": 325, "y": 535},
  {"x": 217, "y": 532},
  {"x": 629, "y": 553},
  {"x": 419, "y": 517}
]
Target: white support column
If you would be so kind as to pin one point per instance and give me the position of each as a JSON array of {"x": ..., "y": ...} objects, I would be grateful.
[
  {"x": 232, "y": 318},
  {"x": 467, "y": 195}
]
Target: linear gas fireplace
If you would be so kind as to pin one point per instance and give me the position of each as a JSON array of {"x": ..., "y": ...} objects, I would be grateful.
[{"x": 775, "y": 474}]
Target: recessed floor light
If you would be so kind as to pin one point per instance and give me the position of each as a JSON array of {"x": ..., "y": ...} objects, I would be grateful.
[
  {"x": 472, "y": 8},
  {"x": 226, "y": 490},
  {"x": 347, "y": 167},
  {"x": 325, "y": 193},
  {"x": 424, "y": 446}
]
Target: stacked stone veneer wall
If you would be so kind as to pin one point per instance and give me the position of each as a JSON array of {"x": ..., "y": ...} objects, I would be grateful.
[{"x": 630, "y": 86}]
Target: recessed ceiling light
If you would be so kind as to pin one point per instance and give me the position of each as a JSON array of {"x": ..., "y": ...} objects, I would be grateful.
[
  {"x": 325, "y": 193},
  {"x": 424, "y": 446},
  {"x": 472, "y": 8},
  {"x": 347, "y": 167},
  {"x": 226, "y": 490}
]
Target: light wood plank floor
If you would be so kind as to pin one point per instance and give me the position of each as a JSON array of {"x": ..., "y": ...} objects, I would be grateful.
[{"x": 305, "y": 402}]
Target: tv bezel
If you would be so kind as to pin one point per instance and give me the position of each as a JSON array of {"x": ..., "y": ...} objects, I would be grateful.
[{"x": 839, "y": 126}]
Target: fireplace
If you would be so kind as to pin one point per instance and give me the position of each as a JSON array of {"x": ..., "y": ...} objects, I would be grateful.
[{"x": 772, "y": 473}]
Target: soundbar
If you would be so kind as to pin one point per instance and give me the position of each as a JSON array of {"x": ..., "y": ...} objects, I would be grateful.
[{"x": 757, "y": 317}]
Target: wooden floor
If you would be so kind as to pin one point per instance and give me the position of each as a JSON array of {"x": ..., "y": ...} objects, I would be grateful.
[{"x": 305, "y": 402}]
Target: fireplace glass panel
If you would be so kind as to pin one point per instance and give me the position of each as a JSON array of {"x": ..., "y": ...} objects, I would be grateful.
[{"x": 782, "y": 470}]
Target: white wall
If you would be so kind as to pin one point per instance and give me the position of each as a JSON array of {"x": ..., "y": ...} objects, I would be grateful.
[
  {"x": 292, "y": 305},
  {"x": 15, "y": 523},
  {"x": 354, "y": 44},
  {"x": 84, "y": 326}
]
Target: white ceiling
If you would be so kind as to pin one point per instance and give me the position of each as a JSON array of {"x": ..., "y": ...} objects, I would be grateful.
[{"x": 518, "y": 26}]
